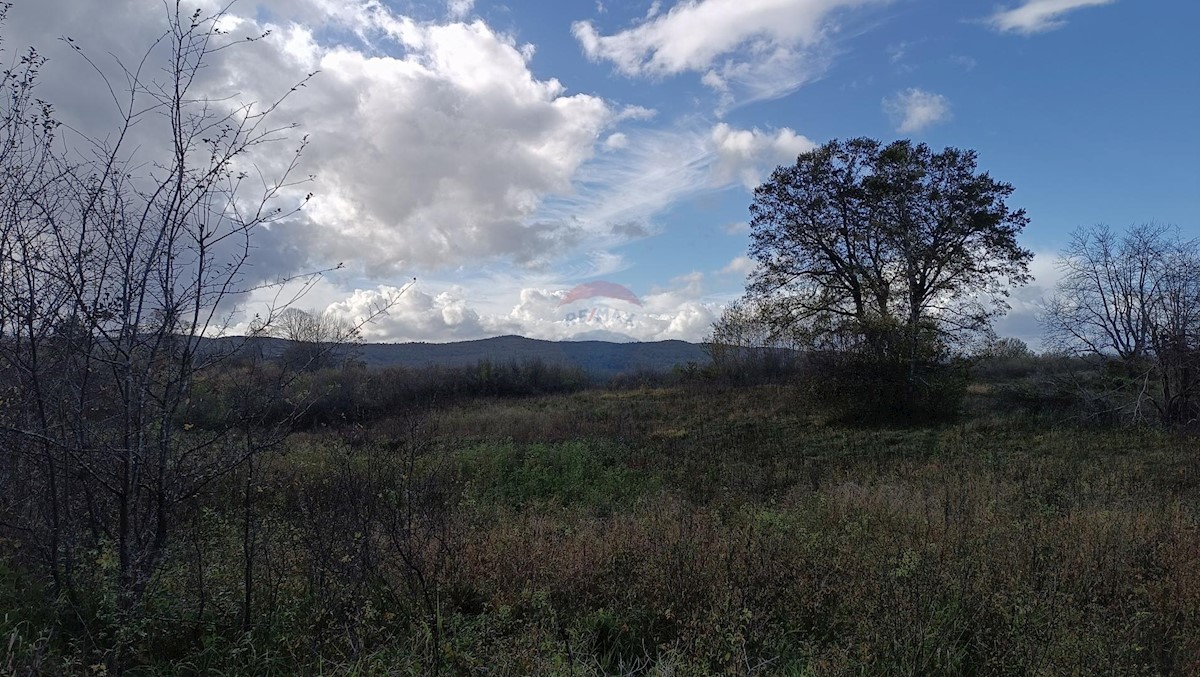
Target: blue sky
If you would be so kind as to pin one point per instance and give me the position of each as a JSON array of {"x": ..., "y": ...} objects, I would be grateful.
[{"x": 503, "y": 153}]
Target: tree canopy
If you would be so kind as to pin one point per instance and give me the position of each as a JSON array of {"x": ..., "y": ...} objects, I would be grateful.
[{"x": 886, "y": 248}]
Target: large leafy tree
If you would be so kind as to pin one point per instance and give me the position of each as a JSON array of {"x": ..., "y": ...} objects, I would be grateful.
[{"x": 895, "y": 250}]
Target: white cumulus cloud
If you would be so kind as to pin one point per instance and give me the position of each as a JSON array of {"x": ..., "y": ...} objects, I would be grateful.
[
  {"x": 444, "y": 156},
  {"x": 459, "y": 8},
  {"x": 747, "y": 154},
  {"x": 616, "y": 141},
  {"x": 741, "y": 265},
  {"x": 412, "y": 315},
  {"x": 913, "y": 110},
  {"x": 1025, "y": 302},
  {"x": 433, "y": 144},
  {"x": 437, "y": 151}
]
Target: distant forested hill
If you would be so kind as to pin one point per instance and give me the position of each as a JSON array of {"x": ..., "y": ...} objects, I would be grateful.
[{"x": 601, "y": 358}]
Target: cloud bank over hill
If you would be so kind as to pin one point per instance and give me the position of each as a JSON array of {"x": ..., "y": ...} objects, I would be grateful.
[{"x": 443, "y": 143}]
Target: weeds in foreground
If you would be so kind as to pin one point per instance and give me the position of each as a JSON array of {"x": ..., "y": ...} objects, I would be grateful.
[{"x": 675, "y": 532}]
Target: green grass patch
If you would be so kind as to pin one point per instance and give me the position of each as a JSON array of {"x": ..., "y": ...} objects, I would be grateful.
[{"x": 579, "y": 474}]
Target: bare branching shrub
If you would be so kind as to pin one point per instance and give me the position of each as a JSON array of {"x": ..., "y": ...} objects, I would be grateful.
[
  {"x": 379, "y": 526},
  {"x": 747, "y": 344},
  {"x": 120, "y": 267},
  {"x": 313, "y": 338}
]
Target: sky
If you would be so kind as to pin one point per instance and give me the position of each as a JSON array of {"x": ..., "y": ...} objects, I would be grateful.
[{"x": 504, "y": 153}]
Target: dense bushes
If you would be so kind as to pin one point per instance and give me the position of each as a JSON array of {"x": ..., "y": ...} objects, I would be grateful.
[
  {"x": 863, "y": 390},
  {"x": 354, "y": 394},
  {"x": 849, "y": 386}
]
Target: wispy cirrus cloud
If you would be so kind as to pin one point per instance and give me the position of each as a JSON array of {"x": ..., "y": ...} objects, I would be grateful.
[
  {"x": 1038, "y": 16},
  {"x": 746, "y": 50},
  {"x": 645, "y": 170}
]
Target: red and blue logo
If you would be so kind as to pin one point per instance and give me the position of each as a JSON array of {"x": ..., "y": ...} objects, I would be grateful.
[
  {"x": 600, "y": 289},
  {"x": 600, "y": 303}
]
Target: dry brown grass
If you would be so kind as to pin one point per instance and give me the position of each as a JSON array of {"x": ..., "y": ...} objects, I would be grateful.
[{"x": 725, "y": 531}]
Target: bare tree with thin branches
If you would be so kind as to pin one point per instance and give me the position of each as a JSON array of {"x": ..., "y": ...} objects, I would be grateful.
[
  {"x": 1131, "y": 300},
  {"x": 117, "y": 272}
]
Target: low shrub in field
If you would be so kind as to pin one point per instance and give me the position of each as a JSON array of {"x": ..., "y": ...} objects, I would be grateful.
[{"x": 863, "y": 390}]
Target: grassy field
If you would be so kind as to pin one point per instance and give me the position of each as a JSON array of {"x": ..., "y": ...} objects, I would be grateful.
[{"x": 693, "y": 530}]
